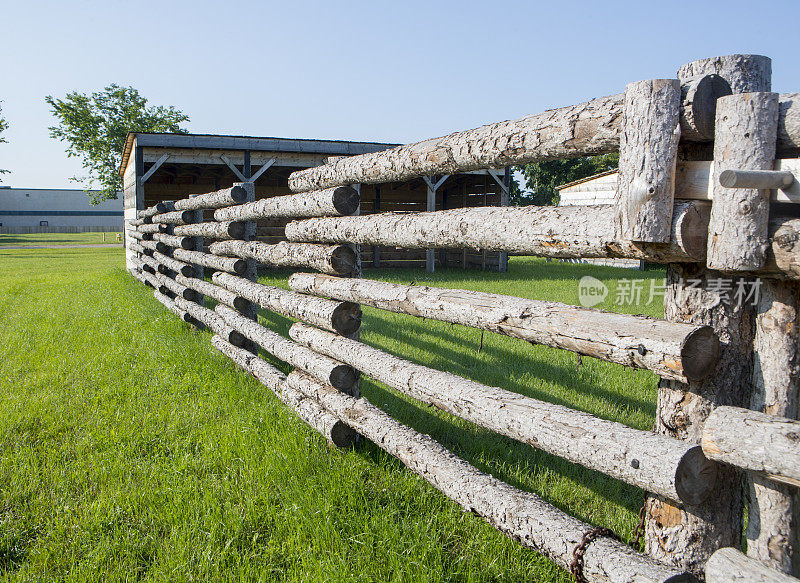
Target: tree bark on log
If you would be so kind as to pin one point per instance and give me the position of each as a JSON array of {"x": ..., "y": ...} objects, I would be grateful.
[
  {"x": 521, "y": 515},
  {"x": 647, "y": 160},
  {"x": 655, "y": 463},
  {"x": 755, "y": 441},
  {"x": 149, "y": 263},
  {"x": 671, "y": 350},
  {"x": 152, "y": 228},
  {"x": 564, "y": 232},
  {"x": 585, "y": 129},
  {"x": 341, "y": 317},
  {"x": 136, "y": 248},
  {"x": 175, "y": 287},
  {"x": 154, "y": 246},
  {"x": 744, "y": 73},
  {"x": 174, "y": 218},
  {"x": 340, "y": 200},
  {"x": 211, "y": 320},
  {"x": 159, "y": 207},
  {"x": 174, "y": 265},
  {"x": 739, "y": 224},
  {"x": 216, "y": 292},
  {"x": 175, "y": 241},
  {"x": 308, "y": 409},
  {"x": 728, "y": 565},
  {"x": 229, "y": 264},
  {"x": 219, "y": 231},
  {"x": 170, "y": 305},
  {"x": 212, "y": 200},
  {"x": 137, "y": 235},
  {"x": 327, "y": 370},
  {"x": 776, "y": 388},
  {"x": 151, "y": 280},
  {"x": 333, "y": 259},
  {"x": 789, "y": 125}
]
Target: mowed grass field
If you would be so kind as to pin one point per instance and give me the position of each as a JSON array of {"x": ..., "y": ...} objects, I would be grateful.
[
  {"x": 131, "y": 450},
  {"x": 7, "y": 239}
]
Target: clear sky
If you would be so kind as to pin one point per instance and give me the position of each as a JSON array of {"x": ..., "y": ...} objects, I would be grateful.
[{"x": 356, "y": 70}]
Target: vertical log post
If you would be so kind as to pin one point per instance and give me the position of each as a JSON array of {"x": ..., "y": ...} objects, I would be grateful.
[
  {"x": 251, "y": 273},
  {"x": 647, "y": 160},
  {"x": 687, "y": 536},
  {"x": 376, "y": 250},
  {"x": 198, "y": 246},
  {"x": 505, "y": 190},
  {"x": 431, "y": 206}
]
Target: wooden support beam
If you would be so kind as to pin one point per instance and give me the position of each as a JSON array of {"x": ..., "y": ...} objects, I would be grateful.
[
  {"x": 760, "y": 179},
  {"x": 264, "y": 167},
  {"x": 341, "y": 200},
  {"x": 522, "y": 515},
  {"x": 641, "y": 458},
  {"x": 233, "y": 168},
  {"x": 333, "y": 259},
  {"x": 153, "y": 169},
  {"x": 729, "y": 565}
]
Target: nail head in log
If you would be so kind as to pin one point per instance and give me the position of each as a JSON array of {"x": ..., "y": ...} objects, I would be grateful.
[
  {"x": 647, "y": 158},
  {"x": 327, "y": 370},
  {"x": 555, "y": 231},
  {"x": 175, "y": 241},
  {"x": 211, "y": 230},
  {"x": 521, "y": 515},
  {"x": 739, "y": 224},
  {"x": 656, "y": 463},
  {"x": 728, "y": 565},
  {"x": 174, "y": 265},
  {"x": 307, "y": 408},
  {"x": 754, "y": 441},
  {"x": 174, "y": 218},
  {"x": 671, "y": 350},
  {"x": 170, "y": 305},
  {"x": 229, "y": 264},
  {"x": 341, "y": 317},
  {"x": 212, "y": 200},
  {"x": 340, "y": 200},
  {"x": 334, "y": 259},
  {"x": 216, "y": 292},
  {"x": 212, "y": 321}
]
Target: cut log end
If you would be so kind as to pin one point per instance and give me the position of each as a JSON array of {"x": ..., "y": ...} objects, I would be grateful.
[
  {"x": 703, "y": 93},
  {"x": 346, "y": 200},
  {"x": 343, "y": 378},
  {"x": 700, "y": 353},
  {"x": 346, "y": 318},
  {"x": 239, "y": 266},
  {"x": 236, "y": 230},
  {"x": 238, "y": 194},
  {"x": 695, "y": 477},
  {"x": 343, "y": 260},
  {"x": 241, "y": 304},
  {"x": 342, "y": 435}
]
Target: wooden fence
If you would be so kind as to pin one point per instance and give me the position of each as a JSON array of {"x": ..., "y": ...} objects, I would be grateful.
[{"x": 728, "y": 396}]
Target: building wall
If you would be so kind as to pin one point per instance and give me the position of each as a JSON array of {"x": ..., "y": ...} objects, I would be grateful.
[{"x": 27, "y": 208}]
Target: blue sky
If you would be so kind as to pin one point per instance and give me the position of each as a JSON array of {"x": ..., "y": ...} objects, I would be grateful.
[{"x": 384, "y": 71}]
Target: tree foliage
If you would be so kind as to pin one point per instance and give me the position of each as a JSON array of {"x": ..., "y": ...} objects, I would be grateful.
[
  {"x": 3, "y": 127},
  {"x": 542, "y": 178},
  {"x": 95, "y": 127}
]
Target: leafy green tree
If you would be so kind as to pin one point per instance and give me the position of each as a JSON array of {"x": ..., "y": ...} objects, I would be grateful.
[
  {"x": 95, "y": 126},
  {"x": 542, "y": 178},
  {"x": 3, "y": 127}
]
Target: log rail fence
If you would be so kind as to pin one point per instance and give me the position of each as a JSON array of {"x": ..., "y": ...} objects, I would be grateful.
[{"x": 727, "y": 405}]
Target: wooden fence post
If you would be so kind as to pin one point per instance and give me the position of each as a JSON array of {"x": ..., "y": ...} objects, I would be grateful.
[{"x": 251, "y": 273}]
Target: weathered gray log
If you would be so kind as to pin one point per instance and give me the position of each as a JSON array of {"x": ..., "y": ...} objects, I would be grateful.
[
  {"x": 586, "y": 129},
  {"x": 216, "y": 292},
  {"x": 170, "y": 305},
  {"x": 334, "y": 259},
  {"x": 174, "y": 218},
  {"x": 325, "y": 369},
  {"x": 151, "y": 280},
  {"x": 755, "y": 441},
  {"x": 783, "y": 253},
  {"x": 744, "y": 73},
  {"x": 138, "y": 221},
  {"x": 174, "y": 241},
  {"x": 152, "y": 228},
  {"x": 521, "y": 515},
  {"x": 228, "y": 264},
  {"x": 307, "y": 408},
  {"x": 211, "y": 230},
  {"x": 211, "y": 320},
  {"x": 174, "y": 265},
  {"x": 699, "y": 106},
  {"x": 341, "y": 317},
  {"x": 137, "y": 273},
  {"x": 159, "y": 207},
  {"x": 341, "y": 200},
  {"x": 776, "y": 387},
  {"x": 213, "y": 200},
  {"x": 155, "y": 246},
  {"x": 647, "y": 159},
  {"x": 729, "y": 565},
  {"x": 789, "y": 124},
  {"x": 176, "y": 287},
  {"x": 657, "y": 463},
  {"x": 562, "y": 231},
  {"x": 762, "y": 179},
  {"x": 739, "y": 224},
  {"x": 137, "y": 235},
  {"x": 136, "y": 248},
  {"x": 149, "y": 264},
  {"x": 671, "y": 350}
]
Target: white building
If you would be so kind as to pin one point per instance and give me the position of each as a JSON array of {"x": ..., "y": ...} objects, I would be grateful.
[{"x": 56, "y": 210}]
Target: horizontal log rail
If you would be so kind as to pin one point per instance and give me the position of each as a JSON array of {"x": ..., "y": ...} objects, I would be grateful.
[
  {"x": 148, "y": 263},
  {"x": 158, "y": 208},
  {"x": 340, "y": 317},
  {"x": 136, "y": 248},
  {"x": 307, "y": 408},
  {"x": 669, "y": 467},
  {"x": 671, "y": 350},
  {"x": 219, "y": 231},
  {"x": 212, "y": 200},
  {"x": 341, "y": 200},
  {"x": 137, "y": 235},
  {"x": 175, "y": 287},
  {"x": 586, "y": 129},
  {"x": 215, "y": 292},
  {"x": 174, "y": 241},
  {"x": 521, "y": 515},
  {"x": 334, "y": 373},
  {"x": 755, "y": 441},
  {"x": 729, "y": 565},
  {"x": 211, "y": 320},
  {"x": 153, "y": 245},
  {"x": 152, "y": 228},
  {"x": 174, "y": 218},
  {"x": 334, "y": 259},
  {"x": 172, "y": 307},
  {"x": 175, "y": 265},
  {"x": 229, "y": 264}
]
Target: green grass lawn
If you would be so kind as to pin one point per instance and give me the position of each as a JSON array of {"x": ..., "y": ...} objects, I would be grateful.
[
  {"x": 57, "y": 239},
  {"x": 131, "y": 450}
]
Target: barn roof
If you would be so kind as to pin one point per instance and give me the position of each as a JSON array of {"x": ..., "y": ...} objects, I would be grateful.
[{"x": 587, "y": 179}]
